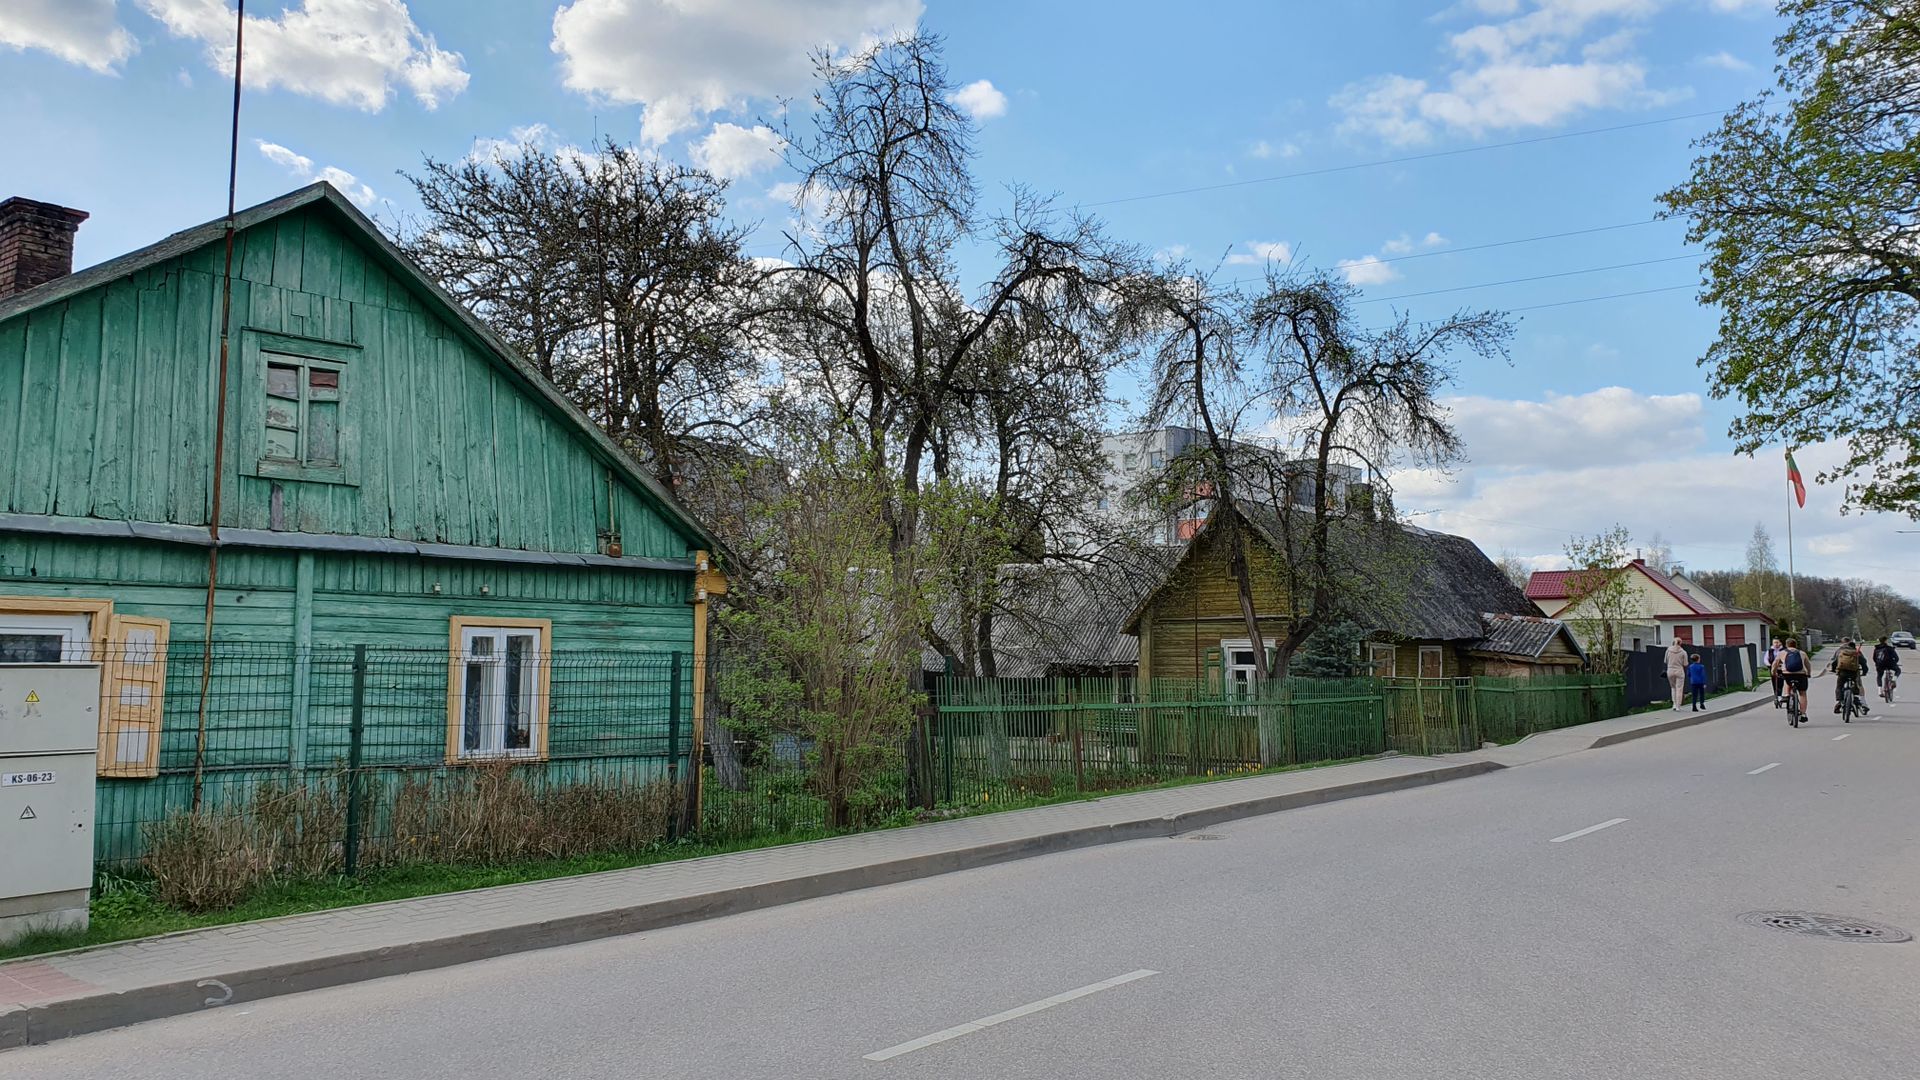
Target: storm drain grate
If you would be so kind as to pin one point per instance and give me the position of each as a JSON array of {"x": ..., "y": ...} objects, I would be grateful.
[{"x": 1832, "y": 927}]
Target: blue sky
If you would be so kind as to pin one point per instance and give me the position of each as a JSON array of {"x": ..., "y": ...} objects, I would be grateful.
[{"x": 119, "y": 108}]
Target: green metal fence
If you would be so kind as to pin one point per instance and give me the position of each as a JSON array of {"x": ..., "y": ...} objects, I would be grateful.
[{"x": 999, "y": 739}]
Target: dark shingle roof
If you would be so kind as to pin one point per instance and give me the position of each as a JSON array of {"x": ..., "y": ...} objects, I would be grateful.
[{"x": 1523, "y": 636}]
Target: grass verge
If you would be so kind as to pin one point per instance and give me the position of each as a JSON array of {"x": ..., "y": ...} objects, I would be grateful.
[{"x": 124, "y": 908}]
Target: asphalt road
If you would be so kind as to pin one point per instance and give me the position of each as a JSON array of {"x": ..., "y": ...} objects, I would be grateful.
[{"x": 1433, "y": 933}]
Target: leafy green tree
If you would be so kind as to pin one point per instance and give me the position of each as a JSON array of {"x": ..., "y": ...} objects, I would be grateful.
[
  {"x": 1808, "y": 201},
  {"x": 1601, "y": 600}
]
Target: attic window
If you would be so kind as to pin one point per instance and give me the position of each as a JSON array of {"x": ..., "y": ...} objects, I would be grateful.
[
  {"x": 303, "y": 421},
  {"x": 303, "y": 411}
]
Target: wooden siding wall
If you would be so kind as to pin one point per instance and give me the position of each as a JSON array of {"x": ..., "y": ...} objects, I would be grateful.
[
  {"x": 107, "y": 411},
  {"x": 381, "y": 600},
  {"x": 1199, "y": 606}
]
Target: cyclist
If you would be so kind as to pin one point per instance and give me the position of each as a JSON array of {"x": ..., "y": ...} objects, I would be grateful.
[
  {"x": 1885, "y": 658},
  {"x": 1773, "y": 667},
  {"x": 1847, "y": 665},
  {"x": 1791, "y": 667}
]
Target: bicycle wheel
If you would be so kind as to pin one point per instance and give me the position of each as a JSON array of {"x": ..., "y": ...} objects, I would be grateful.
[{"x": 1847, "y": 703}]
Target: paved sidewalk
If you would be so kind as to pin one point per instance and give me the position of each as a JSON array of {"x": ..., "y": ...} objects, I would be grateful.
[
  {"x": 1551, "y": 744},
  {"x": 62, "y": 994}
]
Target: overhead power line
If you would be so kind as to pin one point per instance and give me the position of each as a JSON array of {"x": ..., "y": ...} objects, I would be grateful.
[
  {"x": 1404, "y": 159},
  {"x": 1534, "y": 277}
]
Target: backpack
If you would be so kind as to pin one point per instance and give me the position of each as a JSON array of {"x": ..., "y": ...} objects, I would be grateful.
[
  {"x": 1794, "y": 664},
  {"x": 1848, "y": 662}
]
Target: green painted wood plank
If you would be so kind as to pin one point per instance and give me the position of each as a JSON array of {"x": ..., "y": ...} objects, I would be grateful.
[
  {"x": 483, "y": 491},
  {"x": 152, "y": 415},
  {"x": 194, "y": 373},
  {"x": 289, "y": 235},
  {"x": 457, "y": 497},
  {"x": 430, "y": 399},
  {"x": 13, "y": 372},
  {"x": 320, "y": 257},
  {"x": 253, "y": 252},
  {"x": 402, "y": 384},
  {"x": 33, "y": 446},
  {"x": 117, "y": 401},
  {"x": 79, "y": 395},
  {"x": 353, "y": 272}
]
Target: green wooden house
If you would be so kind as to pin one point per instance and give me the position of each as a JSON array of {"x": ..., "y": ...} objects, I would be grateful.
[{"x": 389, "y": 474}]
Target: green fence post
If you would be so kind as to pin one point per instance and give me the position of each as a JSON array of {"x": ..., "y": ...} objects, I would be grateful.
[
  {"x": 946, "y": 734},
  {"x": 673, "y": 731},
  {"x": 356, "y": 731}
]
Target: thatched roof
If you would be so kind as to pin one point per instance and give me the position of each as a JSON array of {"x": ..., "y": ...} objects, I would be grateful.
[
  {"x": 1066, "y": 614},
  {"x": 1408, "y": 582}
]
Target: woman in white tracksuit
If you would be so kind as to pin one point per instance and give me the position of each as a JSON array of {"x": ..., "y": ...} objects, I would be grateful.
[{"x": 1677, "y": 671}]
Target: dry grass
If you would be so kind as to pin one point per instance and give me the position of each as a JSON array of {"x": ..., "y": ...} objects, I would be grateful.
[{"x": 215, "y": 857}]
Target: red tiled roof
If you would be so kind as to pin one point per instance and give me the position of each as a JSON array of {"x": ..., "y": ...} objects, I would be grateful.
[
  {"x": 1554, "y": 585},
  {"x": 1548, "y": 584}
]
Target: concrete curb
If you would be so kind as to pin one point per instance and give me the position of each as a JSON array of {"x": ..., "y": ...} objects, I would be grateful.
[
  {"x": 45, "y": 1023},
  {"x": 1665, "y": 726}
]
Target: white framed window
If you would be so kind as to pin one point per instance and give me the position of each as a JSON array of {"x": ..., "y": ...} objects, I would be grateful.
[
  {"x": 45, "y": 637},
  {"x": 1130, "y": 461},
  {"x": 1381, "y": 658},
  {"x": 497, "y": 692},
  {"x": 1431, "y": 665},
  {"x": 1238, "y": 667},
  {"x": 1156, "y": 459}
]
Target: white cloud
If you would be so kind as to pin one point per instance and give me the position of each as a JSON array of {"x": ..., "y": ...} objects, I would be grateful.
[
  {"x": 980, "y": 100},
  {"x": 1723, "y": 60},
  {"x": 1263, "y": 149},
  {"x": 1613, "y": 423},
  {"x": 1367, "y": 270},
  {"x": 730, "y": 151},
  {"x": 684, "y": 60},
  {"x": 344, "y": 52},
  {"x": 83, "y": 32},
  {"x": 1261, "y": 252},
  {"x": 1432, "y": 239},
  {"x": 1514, "y": 72},
  {"x": 1545, "y": 470},
  {"x": 301, "y": 167}
]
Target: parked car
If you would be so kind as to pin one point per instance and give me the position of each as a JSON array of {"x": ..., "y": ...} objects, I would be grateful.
[{"x": 1900, "y": 639}]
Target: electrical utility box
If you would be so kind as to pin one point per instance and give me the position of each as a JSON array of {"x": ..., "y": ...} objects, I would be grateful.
[{"x": 49, "y": 731}]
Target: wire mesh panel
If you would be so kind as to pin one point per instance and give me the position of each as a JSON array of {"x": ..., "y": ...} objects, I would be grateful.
[{"x": 269, "y": 762}]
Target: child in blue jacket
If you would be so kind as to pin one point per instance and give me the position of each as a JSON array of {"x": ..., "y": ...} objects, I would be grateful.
[{"x": 1697, "y": 683}]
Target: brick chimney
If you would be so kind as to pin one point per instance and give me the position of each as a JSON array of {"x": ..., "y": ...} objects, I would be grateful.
[{"x": 36, "y": 243}]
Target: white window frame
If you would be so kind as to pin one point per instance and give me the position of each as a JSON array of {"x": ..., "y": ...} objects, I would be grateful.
[
  {"x": 1374, "y": 651},
  {"x": 1440, "y": 661},
  {"x": 485, "y": 645},
  {"x": 1237, "y": 680},
  {"x": 74, "y": 629}
]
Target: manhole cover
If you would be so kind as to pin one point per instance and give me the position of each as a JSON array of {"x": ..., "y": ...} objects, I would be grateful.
[
  {"x": 1833, "y": 927},
  {"x": 1203, "y": 836}
]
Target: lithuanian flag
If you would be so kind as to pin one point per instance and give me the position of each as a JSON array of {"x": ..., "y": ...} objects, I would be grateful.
[{"x": 1799, "y": 485}]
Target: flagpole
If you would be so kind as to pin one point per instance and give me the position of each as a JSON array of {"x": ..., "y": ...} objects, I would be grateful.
[{"x": 1793, "y": 600}]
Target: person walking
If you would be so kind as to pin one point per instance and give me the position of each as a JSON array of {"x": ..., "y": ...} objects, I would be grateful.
[
  {"x": 1677, "y": 672},
  {"x": 1697, "y": 683},
  {"x": 1773, "y": 669}
]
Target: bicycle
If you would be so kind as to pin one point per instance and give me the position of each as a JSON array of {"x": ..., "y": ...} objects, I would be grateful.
[{"x": 1849, "y": 701}]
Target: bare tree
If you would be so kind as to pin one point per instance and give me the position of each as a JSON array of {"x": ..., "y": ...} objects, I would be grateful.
[
  {"x": 874, "y": 313},
  {"x": 1601, "y": 600},
  {"x": 614, "y": 272},
  {"x": 1345, "y": 397}
]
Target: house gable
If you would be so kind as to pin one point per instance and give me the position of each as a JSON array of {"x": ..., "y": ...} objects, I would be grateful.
[{"x": 428, "y": 429}]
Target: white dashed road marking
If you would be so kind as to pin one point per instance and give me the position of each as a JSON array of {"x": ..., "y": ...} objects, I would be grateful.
[
  {"x": 972, "y": 1026},
  {"x": 1763, "y": 768},
  {"x": 1578, "y": 833}
]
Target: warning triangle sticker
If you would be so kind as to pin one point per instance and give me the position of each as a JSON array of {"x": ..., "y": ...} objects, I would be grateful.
[
  {"x": 28, "y": 814},
  {"x": 33, "y": 697}
]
